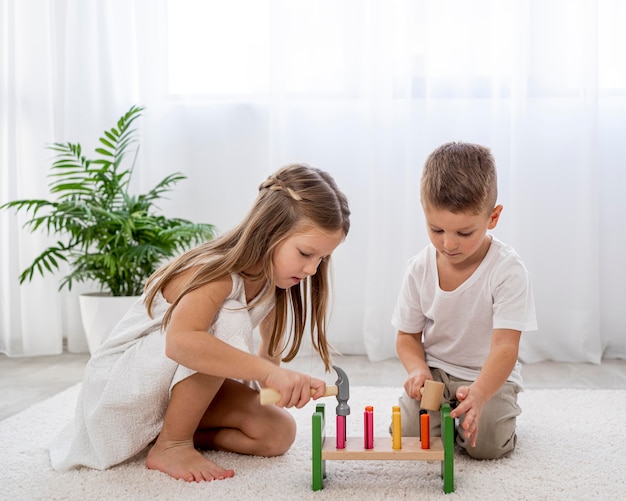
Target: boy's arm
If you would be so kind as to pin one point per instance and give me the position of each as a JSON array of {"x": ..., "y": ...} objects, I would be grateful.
[
  {"x": 496, "y": 370},
  {"x": 411, "y": 353}
]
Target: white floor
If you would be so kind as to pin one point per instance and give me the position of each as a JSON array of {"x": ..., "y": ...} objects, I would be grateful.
[{"x": 26, "y": 381}]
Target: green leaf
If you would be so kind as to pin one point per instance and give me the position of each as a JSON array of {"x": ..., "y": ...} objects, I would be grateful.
[
  {"x": 104, "y": 152},
  {"x": 107, "y": 143}
]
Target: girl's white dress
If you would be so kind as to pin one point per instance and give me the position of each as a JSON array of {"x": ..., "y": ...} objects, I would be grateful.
[{"x": 128, "y": 379}]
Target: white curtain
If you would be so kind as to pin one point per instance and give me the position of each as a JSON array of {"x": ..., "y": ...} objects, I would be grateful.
[{"x": 365, "y": 89}]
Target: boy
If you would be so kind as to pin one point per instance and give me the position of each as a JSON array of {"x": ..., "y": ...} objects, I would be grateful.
[{"x": 463, "y": 305}]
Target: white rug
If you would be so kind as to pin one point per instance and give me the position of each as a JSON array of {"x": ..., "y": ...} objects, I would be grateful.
[{"x": 571, "y": 446}]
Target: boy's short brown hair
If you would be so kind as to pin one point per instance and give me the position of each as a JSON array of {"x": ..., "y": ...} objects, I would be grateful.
[{"x": 460, "y": 177}]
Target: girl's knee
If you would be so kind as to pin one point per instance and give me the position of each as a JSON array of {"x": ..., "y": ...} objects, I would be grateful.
[{"x": 279, "y": 434}]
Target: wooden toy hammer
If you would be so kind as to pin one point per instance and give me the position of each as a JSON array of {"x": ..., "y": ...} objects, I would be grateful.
[
  {"x": 432, "y": 393},
  {"x": 340, "y": 390}
]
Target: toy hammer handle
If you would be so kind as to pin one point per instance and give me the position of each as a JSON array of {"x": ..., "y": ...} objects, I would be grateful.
[{"x": 271, "y": 396}]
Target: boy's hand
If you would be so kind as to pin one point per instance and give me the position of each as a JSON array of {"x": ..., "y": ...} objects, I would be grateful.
[
  {"x": 471, "y": 406},
  {"x": 415, "y": 382}
]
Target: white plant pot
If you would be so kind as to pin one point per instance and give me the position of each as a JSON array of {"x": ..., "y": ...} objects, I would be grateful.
[{"x": 100, "y": 312}]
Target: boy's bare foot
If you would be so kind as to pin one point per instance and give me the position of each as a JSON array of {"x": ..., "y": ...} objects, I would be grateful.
[{"x": 182, "y": 460}]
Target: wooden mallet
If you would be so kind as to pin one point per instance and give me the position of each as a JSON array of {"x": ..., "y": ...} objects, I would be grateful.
[
  {"x": 271, "y": 396},
  {"x": 341, "y": 390},
  {"x": 432, "y": 393}
]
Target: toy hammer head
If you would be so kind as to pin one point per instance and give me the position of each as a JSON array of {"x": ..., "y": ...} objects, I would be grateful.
[
  {"x": 432, "y": 393},
  {"x": 343, "y": 392}
]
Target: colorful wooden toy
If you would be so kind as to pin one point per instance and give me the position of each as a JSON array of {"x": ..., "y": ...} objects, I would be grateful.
[{"x": 441, "y": 449}]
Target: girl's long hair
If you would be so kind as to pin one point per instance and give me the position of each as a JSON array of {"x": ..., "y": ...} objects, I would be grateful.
[{"x": 295, "y": 196}]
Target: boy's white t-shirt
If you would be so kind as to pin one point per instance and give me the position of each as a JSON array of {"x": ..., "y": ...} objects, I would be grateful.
[{"x": 457, "y": 325}]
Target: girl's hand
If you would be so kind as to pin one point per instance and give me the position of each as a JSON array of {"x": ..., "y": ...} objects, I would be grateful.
[
  {"x": 415, "y": 382},
  {"x": 294, "y": 387},
  {"x": 318, "y": 388},
  {"x": 471, "y": 406}
]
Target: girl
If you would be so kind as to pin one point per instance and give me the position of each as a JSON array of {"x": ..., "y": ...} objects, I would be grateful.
[{"x": 178, "y": 369}]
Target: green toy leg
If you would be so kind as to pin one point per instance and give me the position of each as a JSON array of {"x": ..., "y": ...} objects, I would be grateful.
[
  {"x": 447, "y": 437},
  {"x": 319, "y": 465}
]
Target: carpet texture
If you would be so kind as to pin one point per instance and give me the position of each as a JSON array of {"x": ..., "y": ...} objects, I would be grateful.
[{"x": 571, "y": 447}]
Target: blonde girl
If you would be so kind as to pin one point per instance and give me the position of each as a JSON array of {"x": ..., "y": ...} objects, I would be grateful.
[{"x": 179, "y": 372}]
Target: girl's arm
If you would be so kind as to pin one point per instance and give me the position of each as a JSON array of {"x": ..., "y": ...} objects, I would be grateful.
[{"x": 188, "y": 343}]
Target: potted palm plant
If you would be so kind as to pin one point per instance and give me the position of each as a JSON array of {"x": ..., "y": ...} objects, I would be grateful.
[{"x": 106, "y": 234}]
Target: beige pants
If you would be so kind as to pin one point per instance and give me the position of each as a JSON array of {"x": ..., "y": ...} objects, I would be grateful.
[{"x": 496, "y": 428}]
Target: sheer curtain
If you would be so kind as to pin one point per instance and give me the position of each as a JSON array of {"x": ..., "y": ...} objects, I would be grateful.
[{"x": 364, "y": 89}]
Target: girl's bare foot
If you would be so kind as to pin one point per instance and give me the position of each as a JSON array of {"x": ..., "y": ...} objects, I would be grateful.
[{"x": 182, "y": 460}]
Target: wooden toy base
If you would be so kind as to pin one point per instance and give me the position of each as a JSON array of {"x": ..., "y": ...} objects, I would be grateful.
[
  {"x": 411, "y": 449},
  {"x": 441, "y": 449}
]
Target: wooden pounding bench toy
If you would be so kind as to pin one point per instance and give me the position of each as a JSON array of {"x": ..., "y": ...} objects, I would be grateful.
[
  {"x": 387, "y": 448},
  {"x": 396, "y": 447}
]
